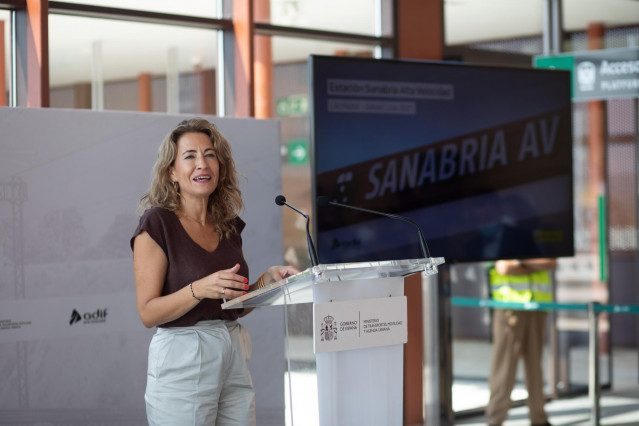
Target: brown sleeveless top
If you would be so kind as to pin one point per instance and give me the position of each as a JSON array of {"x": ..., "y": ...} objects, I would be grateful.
[{"x": 188, "y": 261}]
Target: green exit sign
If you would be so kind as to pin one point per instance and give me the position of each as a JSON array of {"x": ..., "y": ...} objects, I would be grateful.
[
  {"x": 297, "y": 152},
  {"x": 292, "y": 106}
]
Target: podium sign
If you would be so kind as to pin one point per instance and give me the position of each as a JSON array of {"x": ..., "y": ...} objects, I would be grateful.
[{"x": 348, "y": 325}]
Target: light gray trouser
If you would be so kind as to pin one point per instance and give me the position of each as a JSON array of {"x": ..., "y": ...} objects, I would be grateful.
[{"x": 199, "y": 376}]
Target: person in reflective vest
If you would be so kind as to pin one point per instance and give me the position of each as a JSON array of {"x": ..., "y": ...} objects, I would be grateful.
[
  {"x": 518, "y": 334},
  {"x": 535, "y": 286}
]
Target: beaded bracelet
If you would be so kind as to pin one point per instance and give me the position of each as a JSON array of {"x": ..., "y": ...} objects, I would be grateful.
[
  {"x": 260, "y": 282},
  {"x": 194, "y": 296}
]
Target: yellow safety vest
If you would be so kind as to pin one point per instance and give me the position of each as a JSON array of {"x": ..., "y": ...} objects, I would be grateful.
[{"x": 535, "y": 286}]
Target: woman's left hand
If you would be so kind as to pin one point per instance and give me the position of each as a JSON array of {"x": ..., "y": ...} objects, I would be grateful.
[{"x": 276, "y": 273}]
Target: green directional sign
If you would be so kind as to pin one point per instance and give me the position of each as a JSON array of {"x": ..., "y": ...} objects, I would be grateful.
[
  {"x": 292, "y": 106},
  {"x": 297, "y": 152},
  {"x": 560, "y": 62}
]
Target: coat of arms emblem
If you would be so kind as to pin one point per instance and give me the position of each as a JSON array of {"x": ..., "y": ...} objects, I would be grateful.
[{"x": 328, "y": 329}]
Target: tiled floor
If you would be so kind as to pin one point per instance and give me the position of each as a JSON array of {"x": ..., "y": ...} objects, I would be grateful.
[{"x": 618, "y": 406}]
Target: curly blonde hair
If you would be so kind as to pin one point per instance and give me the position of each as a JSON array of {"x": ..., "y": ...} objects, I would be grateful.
[{"x": 225, "y": 203}]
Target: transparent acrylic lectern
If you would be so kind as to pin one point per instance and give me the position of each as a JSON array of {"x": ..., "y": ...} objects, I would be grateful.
[{"x": 359, "y": 327}]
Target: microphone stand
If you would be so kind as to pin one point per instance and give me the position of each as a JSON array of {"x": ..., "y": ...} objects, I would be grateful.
[{"x": 280, "y": 200}]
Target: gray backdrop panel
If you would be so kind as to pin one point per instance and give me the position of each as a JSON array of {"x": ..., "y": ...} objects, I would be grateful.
[{"x": 70, "y": 182}]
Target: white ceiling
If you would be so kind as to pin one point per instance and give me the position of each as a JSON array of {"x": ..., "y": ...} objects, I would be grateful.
[
  {"x": 128, "y": 49},
  {"x": 468, "y": 21}
]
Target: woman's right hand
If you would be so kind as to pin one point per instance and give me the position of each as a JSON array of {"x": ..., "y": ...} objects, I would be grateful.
[{"x": 224, "y": 284}]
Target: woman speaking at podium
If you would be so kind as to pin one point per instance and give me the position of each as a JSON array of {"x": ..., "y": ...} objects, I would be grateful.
[{"x": 187, "y": 258}]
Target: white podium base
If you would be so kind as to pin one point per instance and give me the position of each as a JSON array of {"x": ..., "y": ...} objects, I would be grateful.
[{"x": 361, "y": 386}]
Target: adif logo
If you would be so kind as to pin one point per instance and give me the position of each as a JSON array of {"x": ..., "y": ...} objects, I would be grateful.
[
  {"x": 75, "y": 317},
  {"x": 98, "y": 316},
  {"x": 586, "y": 76}
]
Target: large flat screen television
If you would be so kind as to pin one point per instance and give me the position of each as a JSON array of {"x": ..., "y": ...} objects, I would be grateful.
[{"x": 480, "y": 157}]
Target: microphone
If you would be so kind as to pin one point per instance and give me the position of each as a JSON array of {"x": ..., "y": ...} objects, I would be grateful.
[
  {"x": 323, "y": 200},
  {"x": 280, "y": 200}
]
